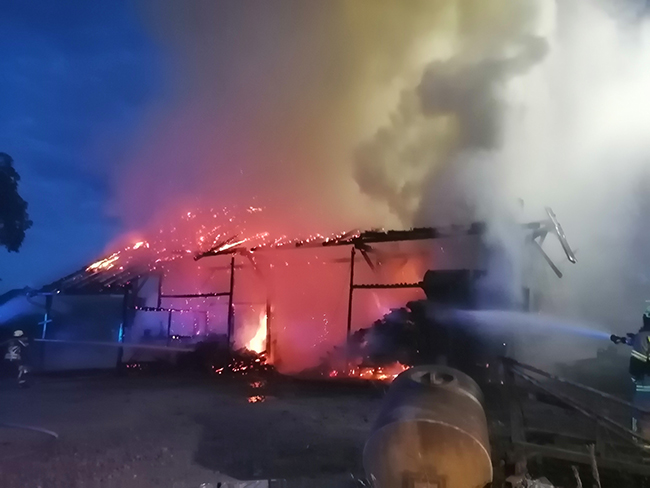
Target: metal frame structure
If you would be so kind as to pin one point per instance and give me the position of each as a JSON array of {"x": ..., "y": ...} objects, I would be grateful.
[
  {"x": 124, "y": 280},
  {"x": 538, "y": 232},
  {"x": 624, "y": 455},
  {"x": 230, "y": 294},
  {"x": 125, "y": 283},
  {"x": 367, "y": 286}
]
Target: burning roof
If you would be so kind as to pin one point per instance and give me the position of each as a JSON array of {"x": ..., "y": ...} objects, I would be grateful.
[
  {"x": 196, "y": 238},
  {"x": 118, "y": 269}
]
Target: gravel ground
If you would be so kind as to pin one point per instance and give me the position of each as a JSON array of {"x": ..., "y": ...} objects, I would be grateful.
[{"x": 179, "y": 432}]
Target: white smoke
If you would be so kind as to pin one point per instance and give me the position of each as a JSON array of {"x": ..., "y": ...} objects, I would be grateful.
[
  {"x": 574, "y": 139},
  {"x": 555, "y": 113}
]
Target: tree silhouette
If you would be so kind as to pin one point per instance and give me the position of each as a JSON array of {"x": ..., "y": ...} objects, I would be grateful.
[{"x": 14, "y": 220}]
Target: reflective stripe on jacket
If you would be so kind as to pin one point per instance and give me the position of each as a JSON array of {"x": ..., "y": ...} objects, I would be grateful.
[{"x": 641, "y": 346}]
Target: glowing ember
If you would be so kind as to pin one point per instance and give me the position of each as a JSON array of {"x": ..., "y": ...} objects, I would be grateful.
[
  {"x": 104, "y": 264},
  {"x": 246, "y": 363},
  {"x": 198, "y": 234},
  {"x": 379, "y": 373},
  {"x": 256, "y": 399},
  {"x": 230, "y": 245},
  {"x": 258, "y": 342}
]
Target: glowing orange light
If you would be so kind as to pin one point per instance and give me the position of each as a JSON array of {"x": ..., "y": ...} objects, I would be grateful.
[
  {"x": 386, "y": 373},
  {"x": 225, "y": 247},
  {"x": 104, "y": 264},
  {"x": 258, "y": 342}
]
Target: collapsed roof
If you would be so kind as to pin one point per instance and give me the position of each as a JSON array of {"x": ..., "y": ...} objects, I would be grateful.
[{"x": 111, "y": 274}]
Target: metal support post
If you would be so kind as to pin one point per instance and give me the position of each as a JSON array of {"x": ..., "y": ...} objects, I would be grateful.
[
  {"x": 160, "y": 285},
  {"x": 46, "y": 317},
  {"x": 123, "y": 326},
  {"x": 269, "y": 348},
  {"x": 46, "y": 320},
  {"x": 231, "y": 308},
  {"x": 351, "y": 291},
  {"x": 169, "y": 327}
]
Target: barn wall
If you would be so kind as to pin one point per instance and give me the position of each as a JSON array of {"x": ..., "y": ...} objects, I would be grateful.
[{"x": 92, "y": 318}]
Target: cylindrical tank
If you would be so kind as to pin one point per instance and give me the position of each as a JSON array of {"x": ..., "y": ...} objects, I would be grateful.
[{"x": 431, "y": 433}]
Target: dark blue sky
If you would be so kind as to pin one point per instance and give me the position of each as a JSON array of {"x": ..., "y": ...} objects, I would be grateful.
[{"x": 75, "y": 80}]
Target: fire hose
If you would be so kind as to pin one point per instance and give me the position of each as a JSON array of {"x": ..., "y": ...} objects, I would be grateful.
[{"x": 627, "y": 339}]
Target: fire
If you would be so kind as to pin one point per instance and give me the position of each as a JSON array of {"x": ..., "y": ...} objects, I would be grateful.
[
  {"x": 230, "y": 245},
  {"x": 200, "y": 234},
  {"x": 379, "y": 373},
  {"x": 258, "y": 342},
  {"x": 248, "y": 363},
  {"x": 104, "y": 264}
]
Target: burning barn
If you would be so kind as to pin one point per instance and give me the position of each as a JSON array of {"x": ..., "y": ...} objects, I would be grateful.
[{"x": 197, "y": 282}]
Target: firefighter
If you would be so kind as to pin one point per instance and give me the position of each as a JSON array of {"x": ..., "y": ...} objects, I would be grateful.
[
  {"x": 15, "y": 354},
  {"x": 640, "y": 372}
]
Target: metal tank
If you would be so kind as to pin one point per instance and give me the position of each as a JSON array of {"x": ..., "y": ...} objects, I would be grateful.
[{"x": 431, "y": 433}]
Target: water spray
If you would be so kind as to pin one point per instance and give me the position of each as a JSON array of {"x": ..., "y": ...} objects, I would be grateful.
[{"x": 522, "y": 321}]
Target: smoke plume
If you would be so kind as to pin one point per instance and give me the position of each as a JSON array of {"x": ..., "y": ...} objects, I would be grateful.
[
  {"x": 549, "y": 112},
  {"x": 340, "y": 114},
  {"x": 267, "y": 103},
  {"x": 314, "y": 109}
]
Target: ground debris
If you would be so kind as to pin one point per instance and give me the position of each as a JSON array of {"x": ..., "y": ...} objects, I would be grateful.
[{"x": 528, "y": 482}]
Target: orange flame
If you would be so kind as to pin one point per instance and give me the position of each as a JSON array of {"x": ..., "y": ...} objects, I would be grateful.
[
  {"x": 380, "y": 373},
  {"x": 258, "y": 342},
  {"x": 104, "y": 264}
]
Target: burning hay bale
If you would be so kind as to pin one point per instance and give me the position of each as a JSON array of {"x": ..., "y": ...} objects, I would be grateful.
[
  {"x": 413, "y": 335},
  {"x": 422, "y": 332},
  {"x": 216, "y": 358},
  {"x": 377, "y": 353},
  {"x": 244, "y": 362}
]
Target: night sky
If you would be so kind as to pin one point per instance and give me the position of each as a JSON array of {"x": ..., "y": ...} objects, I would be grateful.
[{"x": 75, "y": 79}]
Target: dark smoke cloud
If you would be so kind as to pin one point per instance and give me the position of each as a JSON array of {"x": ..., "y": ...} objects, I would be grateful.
[
  {"x": 455, "y": 108},
  {"x": 470, "y": 92},
  {"x": 461, "y": 188}
]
